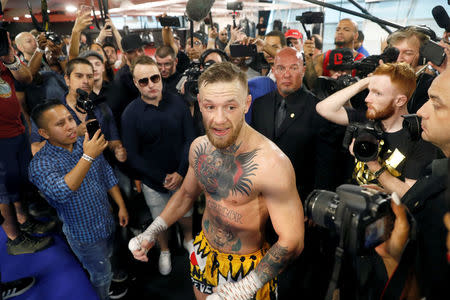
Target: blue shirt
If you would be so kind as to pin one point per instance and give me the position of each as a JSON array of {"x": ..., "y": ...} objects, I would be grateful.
[
  {"x": 363, "y": 51},
  {"x": 103, "y": 115},
  {"x": 157, "y": 138},
  {"x": 85, "y": 213}
]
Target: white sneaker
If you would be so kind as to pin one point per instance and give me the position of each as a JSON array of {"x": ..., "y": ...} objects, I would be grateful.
[
  {"x": 189, "y": 246},
  {"x": 165, "y": 265}
]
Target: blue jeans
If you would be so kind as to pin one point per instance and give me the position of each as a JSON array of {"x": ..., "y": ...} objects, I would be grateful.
[{"x": 95, "y": 258}]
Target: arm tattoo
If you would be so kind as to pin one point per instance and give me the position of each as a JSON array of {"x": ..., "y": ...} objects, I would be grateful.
[
  {"x": 222, "y": 171},
  {"x": 272, "y": 263}
]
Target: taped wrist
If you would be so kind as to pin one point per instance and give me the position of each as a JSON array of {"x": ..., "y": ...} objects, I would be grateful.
[
  {"x": 241, "y": 290},
  {"x": 157, "y": 226}
]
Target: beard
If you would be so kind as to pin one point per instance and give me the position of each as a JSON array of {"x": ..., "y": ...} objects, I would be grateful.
[
  {"x": 224, "y": 143},
  {"x": 339, "y": 43},
  {"x": 383, "y": 114}
]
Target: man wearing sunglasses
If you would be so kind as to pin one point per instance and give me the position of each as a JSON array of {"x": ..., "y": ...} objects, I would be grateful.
[{"x": 157, "y": 129}]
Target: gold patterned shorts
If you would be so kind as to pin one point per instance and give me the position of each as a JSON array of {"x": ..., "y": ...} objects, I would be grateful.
[{"x": 209, "y": 268}]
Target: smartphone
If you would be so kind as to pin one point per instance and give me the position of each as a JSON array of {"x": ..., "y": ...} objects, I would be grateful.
[
  {"x": 238, "y": 50},
  {"x": 92, "y": 126},
  {"x": 169, "y": 21},
  {"x": 4, "y": 43},
  {"x": 433, "y": 52}
]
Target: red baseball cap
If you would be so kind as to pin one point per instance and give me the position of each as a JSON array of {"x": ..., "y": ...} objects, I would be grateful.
[{"x": 294, "y": 33}]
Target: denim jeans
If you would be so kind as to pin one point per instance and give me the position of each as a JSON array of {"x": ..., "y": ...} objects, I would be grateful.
[{"x": 95, "y": 258}]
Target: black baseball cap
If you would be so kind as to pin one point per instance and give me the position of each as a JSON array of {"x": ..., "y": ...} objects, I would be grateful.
[
  {"x": 340, "y": 59},
  {"x": 131, "y": 42},
  {"x": 201, "y": 36}
]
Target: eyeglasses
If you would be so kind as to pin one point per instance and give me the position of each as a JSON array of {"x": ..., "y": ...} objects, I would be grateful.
[
  {"x": 143, "y": 82},
  {"x": 282, "y": 69}
]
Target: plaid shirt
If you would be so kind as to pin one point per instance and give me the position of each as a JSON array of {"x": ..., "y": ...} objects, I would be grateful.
[{"x": 85, "y": 213}]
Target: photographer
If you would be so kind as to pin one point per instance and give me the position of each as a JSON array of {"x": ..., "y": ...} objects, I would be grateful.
[
  {"x": 80, "y": 75},
  {"x": 397, "y": 164},
  {"x": 167, "y": 61}
]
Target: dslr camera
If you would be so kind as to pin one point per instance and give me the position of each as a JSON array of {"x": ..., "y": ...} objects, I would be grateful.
[
  {"x": 361, "y": 217},
  {"x": 55, "y": 38},
  {"x": 368, "y": 64},
  {"x": 326, "y": 86},
  {"x": 368, "y": 139},
  {"x": 86, "y": 105}
]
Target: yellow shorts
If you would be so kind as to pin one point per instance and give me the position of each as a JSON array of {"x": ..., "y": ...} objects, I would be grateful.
[{"x": 209, "y": 268}]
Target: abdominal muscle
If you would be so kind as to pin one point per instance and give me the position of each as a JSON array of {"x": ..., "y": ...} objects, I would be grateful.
[{"x": 235, "y": 225}]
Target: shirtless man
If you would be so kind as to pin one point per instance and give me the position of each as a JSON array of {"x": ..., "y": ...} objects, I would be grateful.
[{"x": 246, "y": 179}]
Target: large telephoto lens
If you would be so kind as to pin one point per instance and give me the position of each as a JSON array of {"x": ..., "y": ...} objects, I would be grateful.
[
  {"x": 366, "y": 147},
  {"x": 320, "y": 207}
]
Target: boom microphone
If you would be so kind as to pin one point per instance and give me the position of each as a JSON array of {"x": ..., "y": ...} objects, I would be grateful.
[
  {"x": 441, "y": 17},
  {"x": 197, "y": 10}
]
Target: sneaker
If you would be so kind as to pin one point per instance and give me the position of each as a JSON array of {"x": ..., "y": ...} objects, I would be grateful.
[
  {"x": 189, "y": 246},
  {"x": 117, "y": 291},
  {"x": 25, "y": 243},
  {"x": 17, "y": 287},
  {"x": 165, "y": 265},
  {"x": 33, "y": 226},
  {"x": 120, "y": 276}
]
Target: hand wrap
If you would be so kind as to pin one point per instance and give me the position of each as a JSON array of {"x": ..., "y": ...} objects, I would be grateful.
[{"x": 157, "y": 226}]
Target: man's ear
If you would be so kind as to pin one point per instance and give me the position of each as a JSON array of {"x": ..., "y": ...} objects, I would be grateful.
[
  {"x": 43, "y": 132},
  {"x": 401, "y": 100},
  {"x": 66, "y": 78},
  {"x": 248, "y": 102}
]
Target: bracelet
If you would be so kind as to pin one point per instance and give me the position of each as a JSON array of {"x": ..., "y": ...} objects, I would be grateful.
[
  {"x": 15, "y": 65},
  {"x": 40, "y": 50},
  {"x": 378, "y": 173},
  {"x": 88, "y": 158}
]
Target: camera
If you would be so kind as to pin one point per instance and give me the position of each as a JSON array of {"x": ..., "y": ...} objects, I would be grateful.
[
  {"x": 86, "y": 105},
  {"x": 55, "y": 38},
  {"x": 368, "y": 139},
  {"x": 311, "y": 17},
  {"x": 360, "y": 216},
  {"x": 190, "y": 80},
  {"x": 326, "y": 86},
  {"x": 367, "y": 65}
]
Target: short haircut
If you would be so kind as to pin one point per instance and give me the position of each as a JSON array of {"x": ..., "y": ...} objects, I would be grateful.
[
  {"x": 360, "y": 36},
  {"x": 91, "y": 53},
  {"x": 406, "y": 33},
  {"x": 112, "y": 45},
  {"x": 280, "y": 35},
  {"x": 164, "y": 51},
  {"x": 318, "y": 41},
  {"x": 223, "y": 72},
  {"x": 353, "y": 22},
  {"x": 38, "y": 110},
  {"x": 402, "y": 76},
  {"x": 76, "y": 61},
  {"x": 142, "y": 60}
]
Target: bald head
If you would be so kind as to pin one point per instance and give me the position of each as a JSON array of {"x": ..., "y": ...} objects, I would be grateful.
[
  {"x": 288, "y": 71},
  {"x": 289, "y": 53},
  {"x": 26, "y": 43},
  {"x": 346, "y": 34}
]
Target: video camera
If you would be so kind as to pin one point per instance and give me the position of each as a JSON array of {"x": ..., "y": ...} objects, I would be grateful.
[
  {"x": 368, "y": 64},
  {"x": 368, "y": 137},
  {"x": 326, "y": 86},
  {"x": 86, "y": 105},
  {"x": 190, "y": 81},
  {"x": 360, "y": 216}
]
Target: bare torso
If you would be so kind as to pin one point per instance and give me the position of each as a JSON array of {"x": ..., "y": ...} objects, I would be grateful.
[{"x": 235, "y": 212}]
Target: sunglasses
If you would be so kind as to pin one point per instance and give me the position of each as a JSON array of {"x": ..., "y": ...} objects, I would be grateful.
[{"x": 143, "y": 82}]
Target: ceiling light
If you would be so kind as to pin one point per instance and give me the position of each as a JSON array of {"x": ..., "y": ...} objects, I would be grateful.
[
  {"x": 16, "y": 18},
  {"x": 71, "y": 8},
  {"x": 27, "y": 16}
]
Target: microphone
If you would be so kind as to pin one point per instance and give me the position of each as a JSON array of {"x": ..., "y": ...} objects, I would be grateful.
[
  {"x": 441, "y": 17},
  {"x": 197, "y": 10}
]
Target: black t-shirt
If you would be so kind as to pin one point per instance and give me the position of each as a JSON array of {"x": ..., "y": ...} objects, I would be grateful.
[
  {"x": 407, "y": 157},
  {"x": 261, "y": 29},
  {"x": 170, "y": 83}
]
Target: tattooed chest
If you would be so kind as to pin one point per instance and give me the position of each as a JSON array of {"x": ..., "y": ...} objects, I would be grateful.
[{"x": 222, "y": 172}]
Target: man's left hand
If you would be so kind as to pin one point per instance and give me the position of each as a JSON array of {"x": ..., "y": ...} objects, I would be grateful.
[
  {"x": 123, "y": 217},
  {"x": 121, "y": 153},
  {"x": 173, "y": 181}
]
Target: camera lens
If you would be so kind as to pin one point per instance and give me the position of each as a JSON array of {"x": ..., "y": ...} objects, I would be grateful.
[
  {"x": 365, "y": 147},
  {"x": 320, "y": 207}
]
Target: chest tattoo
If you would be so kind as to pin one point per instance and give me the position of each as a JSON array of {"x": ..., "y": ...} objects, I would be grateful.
[{"x": 222, "y": 171}]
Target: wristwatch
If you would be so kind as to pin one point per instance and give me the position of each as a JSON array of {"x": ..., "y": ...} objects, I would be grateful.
[
  {"x": 380, "y": 171},
  {"x": 40, "y": 50},
  {"x": 15, "y": 65}
]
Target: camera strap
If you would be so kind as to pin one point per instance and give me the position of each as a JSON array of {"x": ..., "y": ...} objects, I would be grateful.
[{"x": 339, "y": 255}]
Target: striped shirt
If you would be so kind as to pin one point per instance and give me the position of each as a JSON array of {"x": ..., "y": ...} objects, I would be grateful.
[{"x": 85, "y": 213}]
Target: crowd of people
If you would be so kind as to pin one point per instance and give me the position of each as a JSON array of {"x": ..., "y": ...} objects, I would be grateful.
[{"x": 246, "y": 137}]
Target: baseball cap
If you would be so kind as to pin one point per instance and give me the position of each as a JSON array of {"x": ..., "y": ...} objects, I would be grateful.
[
  {"x": 131, "y": 42},
  {"x": 340, "y": 59},
  {"x": 89, "y": 53},
  {"x": 293, "y": 33},
  {"x": 201, "y": 36}
]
